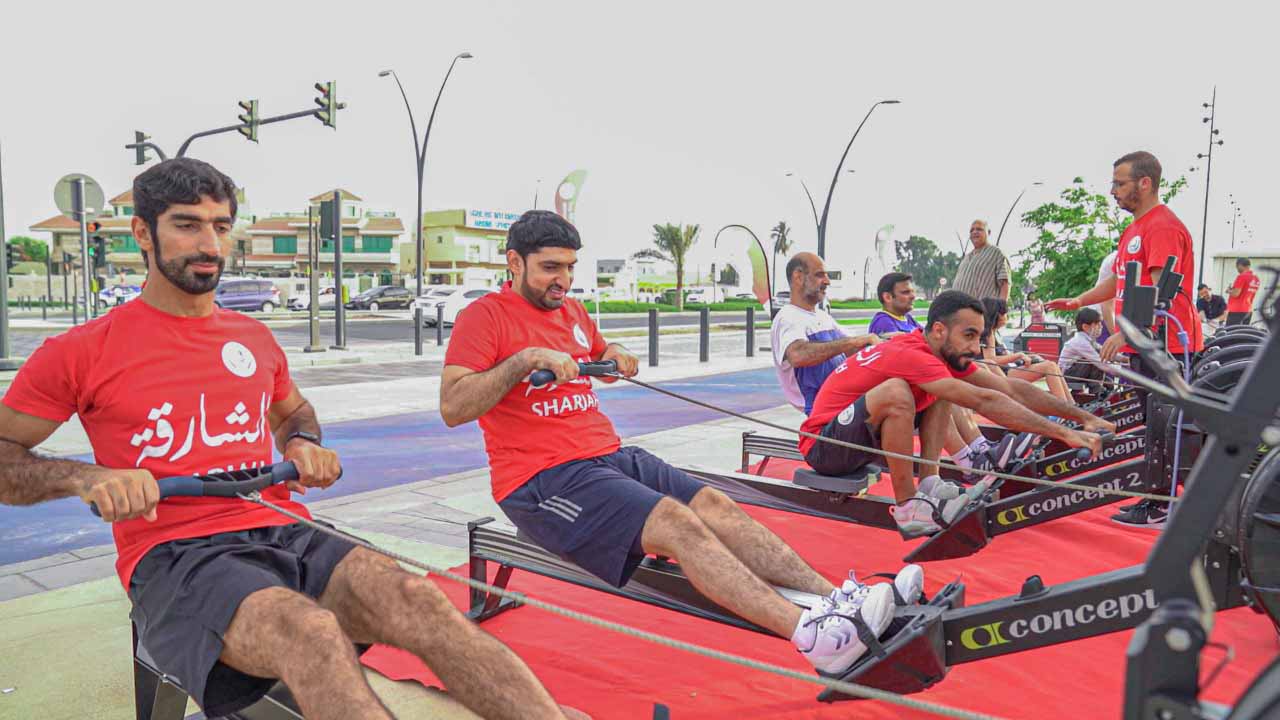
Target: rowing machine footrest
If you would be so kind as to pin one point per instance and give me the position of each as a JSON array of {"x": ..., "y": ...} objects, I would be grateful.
[
  {"x": 853, "y": 483},
  {"x": 966, "y": 535},
  {"x": 914, "y": 656}
]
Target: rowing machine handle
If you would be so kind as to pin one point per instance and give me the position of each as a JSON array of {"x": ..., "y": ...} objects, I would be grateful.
[
  {"x": 194, "y": 485},
  {"x": 599, "y": 368},
  {"x": 1085, "y": 453}
]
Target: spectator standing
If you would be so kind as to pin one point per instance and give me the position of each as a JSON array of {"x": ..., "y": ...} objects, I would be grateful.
[{"x": 984, "y": 270}]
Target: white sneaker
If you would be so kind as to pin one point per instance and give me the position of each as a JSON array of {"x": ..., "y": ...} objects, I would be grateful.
[
  {"x": 915, "y": 516},
  {"x": 947, "y": 491},
  {"x": 843, "y": 593},
  {"x": 909, "y": 582},
  {"x": 828, "y": 637}
]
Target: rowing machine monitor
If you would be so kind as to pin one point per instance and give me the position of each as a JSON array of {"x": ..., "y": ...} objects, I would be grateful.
[
  {"x": 1139, "y": 300},
  {"x": 1170, "y": 282},
  {"x": 228, "y": 484},
  {"x": 598, "y": 368}
]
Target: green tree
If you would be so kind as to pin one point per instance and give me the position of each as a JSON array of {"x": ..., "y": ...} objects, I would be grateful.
[
  {"x": 921, "y": 258},
  {"x": 781, "y": 246},
  {"x": 30, "y": 248},
  {"x": 1075, "y": 233},
  {"x": 672, "y": 243}
]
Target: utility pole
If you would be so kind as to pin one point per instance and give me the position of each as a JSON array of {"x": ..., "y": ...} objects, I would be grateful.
[
  {"x": 339, "y": 307},
  {"x": 5, "y": 362},
  {"x": 78, "y": 203},
  {"x": 313, "y": 286},
  {"x": 1212, "y": 107}
]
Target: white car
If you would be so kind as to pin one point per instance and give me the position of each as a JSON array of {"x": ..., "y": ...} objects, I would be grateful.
[
  {"x": 701, "y": 297},
  {"x": 303, "y": 300},
  {"x": 119, "y": 294},
  {"x": 431, "y": 295},
  {"x": 453, "y": 303}
]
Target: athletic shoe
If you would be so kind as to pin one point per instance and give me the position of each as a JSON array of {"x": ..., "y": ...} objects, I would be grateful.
[
  {"x": 945, "y": 491},
  {"x": 831, "y": 638},
  {"x": 908, "y": 587},
  {"x": 915, "y": 517},
  {"x": 1146, "y": 514}
]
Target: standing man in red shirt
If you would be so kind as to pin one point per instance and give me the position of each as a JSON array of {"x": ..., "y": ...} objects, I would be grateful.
[
  {"x": 1241, "y": 293},
  {"x": 227, "y": 595},
  {"x": 878, "y": 397},
  {"x": 560, "y": 473},
  {"x": 1155, "y": 234}
]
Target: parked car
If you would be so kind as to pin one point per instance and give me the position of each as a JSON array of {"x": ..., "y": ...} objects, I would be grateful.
[
  {"x": 381, "y": 297},
  {"x": 453, "y": 304},
  {"x": 303, "y": 301},
  {"x": 431, "y": 295},
  {"x": 582, "y": 294},
  {"x": 699, "y": 296},
  {"x": 247, "y": 294},
  {"x": 118, "y": 294}
]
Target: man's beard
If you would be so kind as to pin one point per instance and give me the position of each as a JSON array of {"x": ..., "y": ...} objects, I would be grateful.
[
  {"x": 957, "y": 361},
  {"x": 192, "y": 283},
  {"x": 1129, "y": 202},
  {"x": 539, "y": 299},
  {"x": 814, "y": 297}
]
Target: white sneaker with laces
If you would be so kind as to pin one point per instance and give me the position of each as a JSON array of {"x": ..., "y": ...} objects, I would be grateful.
[
  {"x": 828, "y": 635},
  {"x": 915, "y": 516},
  {"x": 909, "y": 583}
]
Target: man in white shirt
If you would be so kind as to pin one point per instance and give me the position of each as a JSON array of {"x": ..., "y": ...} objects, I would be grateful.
[
  {"x": 808, "y": 344},
  {"x": 1106, "y": 308}
]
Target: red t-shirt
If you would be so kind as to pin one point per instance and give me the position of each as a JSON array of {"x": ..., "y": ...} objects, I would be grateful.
[
  {"x": 904, "y": 356},
  {"x": 172, "y": 395},
  {"x": 1247, "y": 283},
  {"x": 530, "y": 430},
  {"x": 1150, "y": 240}
]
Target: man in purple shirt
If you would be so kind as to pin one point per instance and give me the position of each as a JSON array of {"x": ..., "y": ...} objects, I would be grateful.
[{"x": 897, "y": 296}]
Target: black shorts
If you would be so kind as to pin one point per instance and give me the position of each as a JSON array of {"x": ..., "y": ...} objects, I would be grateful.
[
  {"x": 185, "y": 593},
  {"x": 1240, "y": 318},
  {"x": 591, "y": 512},
  {"x": 850, "y": 426}
]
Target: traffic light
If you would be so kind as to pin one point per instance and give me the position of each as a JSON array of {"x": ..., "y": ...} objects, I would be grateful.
[
  {"x": 139, "y": 150},
  {"x": 328, "y": 102},
  {"x": 99, "y": 251},
  {"x": 326, "y": 220},
  {"x": 250, "y": 119},
  {"x": 11, "y": 256}
]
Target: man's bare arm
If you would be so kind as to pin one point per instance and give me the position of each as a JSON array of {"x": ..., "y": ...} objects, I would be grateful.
[
  {"x": 803, "y": 353},
  {"x": 998, "y": 407},
  {"x": 1003, "y": 290},
  {"x": 465, "y": 394},
  {"x": 1233, "y": 291},
  {"x": 27, "y": 478},
  {"x": 1031, "y": 397}
]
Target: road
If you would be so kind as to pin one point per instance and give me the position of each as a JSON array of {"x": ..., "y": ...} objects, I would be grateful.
[{"x": 398, "y": 449}]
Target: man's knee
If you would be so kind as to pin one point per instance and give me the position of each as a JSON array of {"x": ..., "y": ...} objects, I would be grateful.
[
  {"x": 891, "y": 398},
  {"x": 672, "y": 526},
  {"x": 712, "y": 501}
]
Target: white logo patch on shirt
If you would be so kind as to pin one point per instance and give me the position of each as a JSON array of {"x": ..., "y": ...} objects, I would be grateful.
[
  {"x": 1135, "y": 244},
  {"x": 239, "y": 360},
  {"x": 580, "y": 336}
]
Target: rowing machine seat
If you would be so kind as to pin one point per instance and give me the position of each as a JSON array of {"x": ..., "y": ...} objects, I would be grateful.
[{"x": 853, "y": 483}]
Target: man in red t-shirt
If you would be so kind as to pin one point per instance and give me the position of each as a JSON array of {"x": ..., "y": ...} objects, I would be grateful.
[
  {"x": 878, "y": 396},
  {"x": 561, "y": 475},
  {"x": 227, "y": 594},
  {"x": 1155, "y": 234},
  {"x": 1241, "y": 293}
]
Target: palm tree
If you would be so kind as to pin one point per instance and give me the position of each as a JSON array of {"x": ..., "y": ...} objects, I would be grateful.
[
  {"x": 781, "y": 244},
  {"x": 672, "y": 242}
]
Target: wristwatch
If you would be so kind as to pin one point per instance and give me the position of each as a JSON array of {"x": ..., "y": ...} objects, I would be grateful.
[{"x": 309, "y": 437}]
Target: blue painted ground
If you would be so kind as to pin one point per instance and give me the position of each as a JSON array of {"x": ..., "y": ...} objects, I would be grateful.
[{"x": 398, "y": 449}]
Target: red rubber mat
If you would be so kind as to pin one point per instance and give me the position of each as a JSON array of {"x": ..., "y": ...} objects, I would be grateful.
[{"x": 613, "y": 676}]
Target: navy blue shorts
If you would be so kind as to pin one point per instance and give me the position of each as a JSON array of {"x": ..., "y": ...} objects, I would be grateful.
[
  {"x": 591, "y": 512},
  {"x": 185, "y": 593}
]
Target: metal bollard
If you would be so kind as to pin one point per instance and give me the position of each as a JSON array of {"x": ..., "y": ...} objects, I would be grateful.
[
  {"x": 653, "y": 337},
  {"x": 439, "y": 325},
  {"x": 44, "y": 308},
  {"x": 704, "y": 334},
  {"x": 417, "y": 330},
  {"x": 751, "y": 332}
]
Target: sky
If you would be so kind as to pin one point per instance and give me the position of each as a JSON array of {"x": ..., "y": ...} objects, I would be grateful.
[{"x": 679, "y": 111}]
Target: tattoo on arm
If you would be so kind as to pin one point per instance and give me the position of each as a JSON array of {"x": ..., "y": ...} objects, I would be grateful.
[
  {"x": 803, "y": 353},
  {"x": 27, "y": 478}
]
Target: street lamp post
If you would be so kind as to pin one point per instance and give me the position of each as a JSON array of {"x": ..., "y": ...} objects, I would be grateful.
[
  {"x": 420, "y": 153},
  {"x": 1212, "y": 107},
  {"x": 1011, "y": 207},
  {"x": 826, "y": 207},
  {"x": 816, "y": 225}
]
